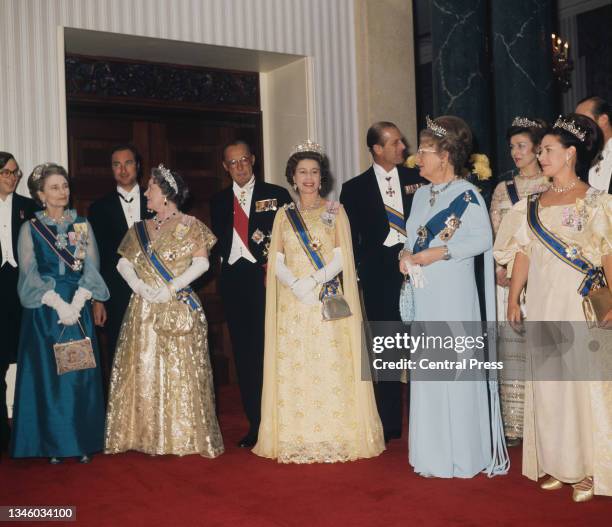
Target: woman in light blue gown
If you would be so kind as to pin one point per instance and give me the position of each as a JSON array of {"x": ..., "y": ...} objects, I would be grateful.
[
  {"x": 452, "y": 431},
  {"x": 56, "y": 416}
]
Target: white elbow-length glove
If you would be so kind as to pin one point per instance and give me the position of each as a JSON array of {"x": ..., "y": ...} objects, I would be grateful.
[
  {"x": 66, "y": 313},
  {"x": 126, "y": 270},
  {"x": 331, "y": 270},
  {"x": 199, "y": 265}
]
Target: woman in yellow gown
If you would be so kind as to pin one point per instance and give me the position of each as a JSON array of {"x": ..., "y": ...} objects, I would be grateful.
[
  {"x": 567, "y": 423},
  {"x": 315, "y": 406},
  {"x": 161, "y": 393}
]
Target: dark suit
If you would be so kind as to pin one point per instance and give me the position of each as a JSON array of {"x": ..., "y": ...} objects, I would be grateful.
[
  {"x": 110, "y": 226},
  {"x": 242, "y": 287},
  {"x": 10, "y": 308},
  {"x": 377, "y": 266}
]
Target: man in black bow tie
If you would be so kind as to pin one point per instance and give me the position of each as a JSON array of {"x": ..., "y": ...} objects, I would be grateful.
[
  {"x": 242, "y": 217},
  {"x": 14, "y": 211},
  {"x": 110, "y": 218}
]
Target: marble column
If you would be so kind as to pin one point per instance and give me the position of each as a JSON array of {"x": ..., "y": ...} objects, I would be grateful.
[
  {"x": 522, "y": 68},
  {"x": 460, "y": 65}
]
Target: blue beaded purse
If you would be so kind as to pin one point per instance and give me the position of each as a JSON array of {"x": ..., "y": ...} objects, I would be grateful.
[{"x": 406, "y": 301}]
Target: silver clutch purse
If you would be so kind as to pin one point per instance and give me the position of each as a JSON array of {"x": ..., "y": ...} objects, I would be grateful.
[
  {"x": 334, "y": 307},
  {"x": 75, "y": 354}
]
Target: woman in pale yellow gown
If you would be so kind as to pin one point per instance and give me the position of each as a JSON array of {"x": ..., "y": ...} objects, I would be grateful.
[
  {"x": 315, "y": 406},
  {"x": 524, "y": 136},
  {"x": 567, "y": 424},
  {"x": 161, "y": 397}
]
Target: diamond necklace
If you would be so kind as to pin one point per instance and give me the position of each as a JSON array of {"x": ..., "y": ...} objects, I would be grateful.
[
  {"x": 434, "y": 193},
  {"x": 159, "y": 223},
  {"x": 560, "y": 190}
]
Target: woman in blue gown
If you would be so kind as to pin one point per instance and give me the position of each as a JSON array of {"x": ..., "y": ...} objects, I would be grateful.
[
  {"x": 450, "y": 428},
  {"x": 56, "y": 416}
]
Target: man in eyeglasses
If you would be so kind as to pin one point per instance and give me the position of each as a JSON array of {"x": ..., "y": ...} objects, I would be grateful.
[
  {"x": 110, "y": 218},
  {"x": 242, "y": 217},
  {"x": 14, "y": 211}
]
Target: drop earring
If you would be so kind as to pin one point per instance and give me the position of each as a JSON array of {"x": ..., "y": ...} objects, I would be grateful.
[
  {"x": 165, "y": 202},
  {"x": 295, "y": 187}
]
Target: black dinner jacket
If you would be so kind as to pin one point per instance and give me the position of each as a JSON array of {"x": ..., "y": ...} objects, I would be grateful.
[
  {"x": 110, "y": 226},
  {"x": 23, "y": 209},
  {"x": 366, "y": 210},
  {"x": 222, "y": 218}
]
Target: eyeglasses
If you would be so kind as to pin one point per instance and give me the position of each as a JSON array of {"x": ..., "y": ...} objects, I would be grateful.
[
  {"x": 233, "y": 163},
  {"x": 422, "y": 151},
  {"x": 8, "y": 173}
]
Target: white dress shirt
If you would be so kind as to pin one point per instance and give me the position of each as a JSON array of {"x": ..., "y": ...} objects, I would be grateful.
[
  {"x": 6, "y": 231},
  {"x": 244, "y": 195},
  {"x": 130, "y": 204},
  {"x": 390, "y": 180},
  {"x": 601, "y": 171}
]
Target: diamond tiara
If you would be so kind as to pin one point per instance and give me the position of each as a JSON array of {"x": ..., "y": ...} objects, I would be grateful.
[
  {"x": 570, "y": 126},
  {"x": 437, "y": 130},
  {"x": 526, "y": 123},
  {"x": 38, "y": 169},
  {"x": 308, "y": 146},
  {"x": 167, "y": 175}
]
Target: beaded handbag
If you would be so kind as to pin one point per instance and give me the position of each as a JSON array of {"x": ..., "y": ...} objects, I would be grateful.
[
  {"x": 75, "y": 354},
  {"x": 406, "y": 301}
]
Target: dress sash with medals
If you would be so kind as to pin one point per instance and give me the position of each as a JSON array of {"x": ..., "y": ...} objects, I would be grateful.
[
  {"x": 311, "y": 248},
  {"x": 59, "y": 243},
  {"x": 186, "y": 294},
  {"x": 569, "y": 254},
  {"x": 445, "y": 223}
]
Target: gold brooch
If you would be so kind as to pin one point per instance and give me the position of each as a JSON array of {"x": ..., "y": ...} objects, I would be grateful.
[{"x": 452, "y": 224}]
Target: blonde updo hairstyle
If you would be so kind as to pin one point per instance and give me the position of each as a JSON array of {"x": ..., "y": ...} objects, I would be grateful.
[{"x": 457, "y": 141}]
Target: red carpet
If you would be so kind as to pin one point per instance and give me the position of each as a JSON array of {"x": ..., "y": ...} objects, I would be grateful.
[{"x": 239, "y": 488}]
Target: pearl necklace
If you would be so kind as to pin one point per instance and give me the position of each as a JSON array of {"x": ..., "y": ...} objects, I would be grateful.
[
  {"x": 560, "y": 190},
  {"x": 434, "y": 193},
  {"x": 159, "y": 223}
]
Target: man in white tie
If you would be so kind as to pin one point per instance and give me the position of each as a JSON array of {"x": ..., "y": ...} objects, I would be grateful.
[
  {"x": 241, "y": 219},
  {"x": 110, "y": 218},
  {"x": 14, "y": 211}
]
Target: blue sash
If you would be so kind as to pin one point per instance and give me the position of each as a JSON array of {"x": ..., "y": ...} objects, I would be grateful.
[
  {"x": 396, "y": 220},
  {"x": 512, "y": 191},
  {"x": 569, "y": 254},
  {"x": 186, "y": 294},
  {"x": 310, "y": 248},
  {"x": 446, "y": 220},
  {"x": 76, "y": 264}
]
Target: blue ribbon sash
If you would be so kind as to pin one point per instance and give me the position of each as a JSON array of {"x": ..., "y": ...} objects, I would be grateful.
[
  {"x": 311, "y": 248},
  {"x": 445, "y": 222},
  {"x": 396, "y": 220},
  {"x": 569, "y": 254},
  {"x": 186, "y": 294},
  {"x": 512, "y": 191},
  {"x": 59, "y": 248}
]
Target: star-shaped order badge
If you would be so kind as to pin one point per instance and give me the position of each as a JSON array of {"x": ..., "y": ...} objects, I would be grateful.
[{"x": 258, "y": 236}]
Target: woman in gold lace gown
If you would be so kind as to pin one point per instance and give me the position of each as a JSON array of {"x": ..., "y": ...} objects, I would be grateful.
[
  {"x": 315, "y": 407},
  {"x": 568, "y": 423},
  {"x": 161, "y": 393},
  {"x": 524, "y": 136}
]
